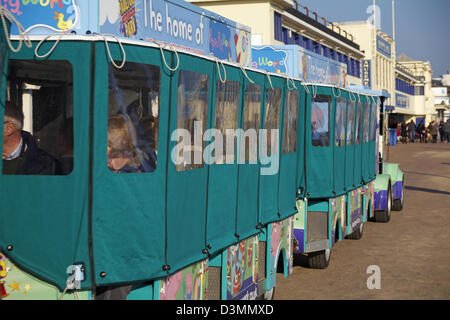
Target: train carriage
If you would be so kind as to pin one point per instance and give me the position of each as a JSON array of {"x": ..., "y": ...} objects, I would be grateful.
[{"x": 193, "y": 220}]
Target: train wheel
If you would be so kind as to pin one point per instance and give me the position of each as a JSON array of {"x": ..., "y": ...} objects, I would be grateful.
[
  {"x": 319, "y": 259},
  {"x": 397, "y": 204},
  {"x": 385, "y": 215},
  {"x": 358, "y": 233}
]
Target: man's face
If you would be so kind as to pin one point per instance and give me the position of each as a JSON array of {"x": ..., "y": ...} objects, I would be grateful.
[{"x": 8, "y": 129}]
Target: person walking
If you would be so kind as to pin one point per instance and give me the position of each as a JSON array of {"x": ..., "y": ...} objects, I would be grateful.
[
  {"x": 433, "y": 131},
  {"x": 447, "y": 130},
  {"x": 411, "y": 131},
  {"x": 441, "y": 131},
  {"x": 421, "y": 130},
  {"x": 403, "y": 132}
]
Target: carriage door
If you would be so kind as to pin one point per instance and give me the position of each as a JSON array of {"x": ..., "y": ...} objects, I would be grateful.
[
  {"x": 289, "y": 181},
  {"x": 187, "y": 196},
  {"x": 339, "y": 144},
  {"x": 44, "y": 181},
  {"x": 357, "y": 178},
  {"x": 270, "y": 151},
  {"x": 248, "y": 176}
]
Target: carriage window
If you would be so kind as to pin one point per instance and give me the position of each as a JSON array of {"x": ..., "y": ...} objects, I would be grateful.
[
  {"x": 358, "y": 124},
  {"x": 320, "y": 121},
  {"x": 226, "y": 118},
  {"x": 350, "y": 123},
  {"x": 133, "y": 118},
  {"x": 366, "y": 123},
  {"x": 272, "y": 120},
  {"x": 373, "y": 122},
  {"x": 341, "y": 117},
  {"x": 192, "y": 114},
  {"x": 252, "y": 116},
  {"x": 290, "y": 122},
  {"x": 38, "y": 121}
]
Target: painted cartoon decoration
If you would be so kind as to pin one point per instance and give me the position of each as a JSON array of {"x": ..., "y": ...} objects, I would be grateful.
[
  {"x": 49, "y": 15},
  {"x": 242, "y": 270},
  {"x": 281, "y": 242},
  {"x": 241, "y": 40},
  {"x": 62, "y": 24},
  {"x": 187, "y": 284},
  {"x": 219, "y": 40}
]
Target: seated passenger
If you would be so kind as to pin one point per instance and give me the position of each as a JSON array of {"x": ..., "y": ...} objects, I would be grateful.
[
  {"x": 20, "y": 154},
  {"x": 123, "y": 156}
]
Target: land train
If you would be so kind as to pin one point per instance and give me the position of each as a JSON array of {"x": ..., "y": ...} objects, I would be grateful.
[{"x": 214, "y": 229}]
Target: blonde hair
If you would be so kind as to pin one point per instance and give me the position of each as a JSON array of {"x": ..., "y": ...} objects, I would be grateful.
[{"x": 120, "y": 139}]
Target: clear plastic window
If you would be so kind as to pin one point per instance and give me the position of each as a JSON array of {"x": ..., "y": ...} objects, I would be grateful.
[
  {"x": 351, "y": 123},
  {"x": 193, "y": 91},
  {"x": 252, "y": 116},
  {"x": 272, "y": 119},
  {"x": 133, "y": 118},
  {"x": 320, "y": 121},
  {"x": 38, "y": 123},
  {"x": 358, "y": 123},
  {"x": 290, "y": 122},
  {"x": 226, "y": 117},
  {"x": 341, "y": 116},
  {"x": 373, "y": 122},
  {"x": 366, "y": 122}
]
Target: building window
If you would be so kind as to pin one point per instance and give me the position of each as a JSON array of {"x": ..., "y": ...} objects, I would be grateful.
[
  {"x": 326, "y": 51},
  {"x": 333, "y": 54},
  {"x": 278, "y": 32}
]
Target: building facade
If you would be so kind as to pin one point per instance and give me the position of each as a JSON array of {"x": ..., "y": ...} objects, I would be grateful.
[{"x": 286, "y": 22}]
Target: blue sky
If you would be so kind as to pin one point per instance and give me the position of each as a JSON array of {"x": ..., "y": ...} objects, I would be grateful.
[{"x": 422, "y": 26}]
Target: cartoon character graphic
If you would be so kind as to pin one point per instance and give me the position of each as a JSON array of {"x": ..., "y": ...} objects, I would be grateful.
[
  {"x": 62, "y": 24},
  {"x": 242, "y": 47},
  {"x": 236, "y": 262},
  {"x": 275, "y": 244},
  {"x": 169, "y": 288},
  {"x": 3, "y": 274}
]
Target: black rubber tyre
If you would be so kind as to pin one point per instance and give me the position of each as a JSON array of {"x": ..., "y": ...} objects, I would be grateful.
[
  {"x": 319, "y": 259},
  {"x": 358, "y": 233},
  {"x": 397, "y": 204},
  {"x": 385, "y": 215}
]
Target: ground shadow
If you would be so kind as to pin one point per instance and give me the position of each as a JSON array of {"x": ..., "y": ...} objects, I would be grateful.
[
  {"x": 426, "y": 190},
  {"x": 301, "y": 260},
  {"x": 427, "y": 174}
]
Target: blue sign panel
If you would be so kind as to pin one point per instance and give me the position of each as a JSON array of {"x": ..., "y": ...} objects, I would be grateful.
[
  {"x": 300, "y": 63},
  {"x": 270, "y": 59},
  {"x": 383, "y": 46},
  {"x": 176, "y": 22},
  {"x": 402, "y": 101},
  {"x": 365, "y": 74},
  {"x": 54, "y": 15},
  {"x": 313, "y": 67},
  {"x": 179, "y": 23}
]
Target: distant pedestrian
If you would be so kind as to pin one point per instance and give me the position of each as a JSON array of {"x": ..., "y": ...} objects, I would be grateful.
[
  {"x": 403, "y": 132},
  {"x": 447, "y": 130},
  {"x": 441, "y": 131},
  {"x": 411, "y": 131},
  {"x": 433, "y": 131},
  {"x": 422, "y": 132}
]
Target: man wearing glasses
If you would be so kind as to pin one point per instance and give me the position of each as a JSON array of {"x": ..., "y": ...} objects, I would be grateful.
[{"x": 20, "y": 153}]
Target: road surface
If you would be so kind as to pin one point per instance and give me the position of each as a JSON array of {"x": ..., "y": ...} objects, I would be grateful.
[{"x": 412, "y": 251}]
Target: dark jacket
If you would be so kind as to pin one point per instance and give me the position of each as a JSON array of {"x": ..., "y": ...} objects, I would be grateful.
[{"x": 36, "y": 161}]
